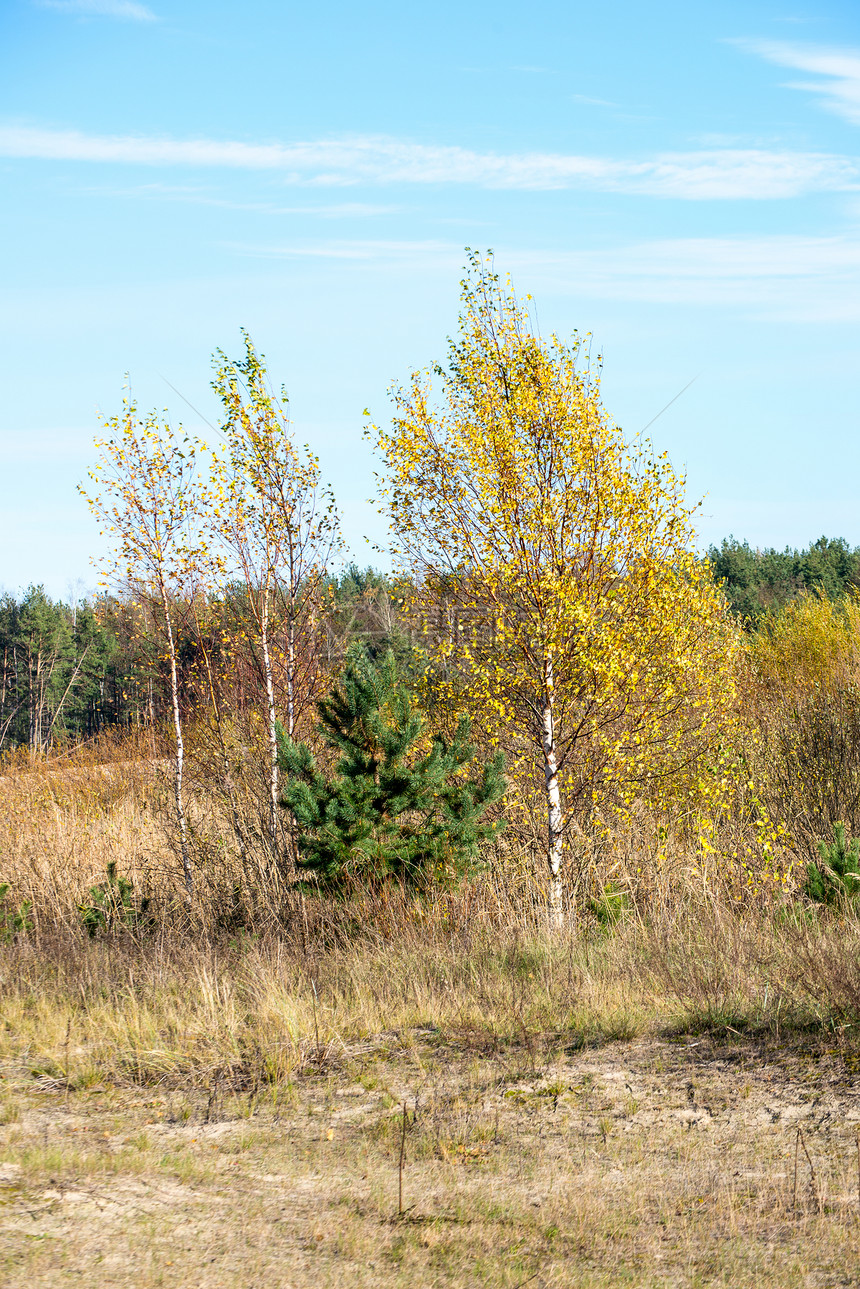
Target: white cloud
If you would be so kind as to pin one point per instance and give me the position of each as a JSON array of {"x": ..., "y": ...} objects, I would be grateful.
[
  {"x": 197, "y": 196},
  {"x": 789, "y": 278},
  {"x": 373, "y": 250},
  {"x": 682, "y": 258},
  {"x": 839, "y": 88},
  {"x": 127, "y": 9},
  {"x": 754, "y": 173},
  {"x": 784, "y": 277},
  {"x": 714, "y": 174}
]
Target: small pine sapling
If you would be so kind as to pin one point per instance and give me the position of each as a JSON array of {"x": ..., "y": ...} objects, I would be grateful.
[
  {"x": 610, "y": 906},
  {"x": 113, "y": 906},
  {"x": 835, "y": 879},
  {"x": 391, "y": 810},
  {"x": 14, "y": 920}
]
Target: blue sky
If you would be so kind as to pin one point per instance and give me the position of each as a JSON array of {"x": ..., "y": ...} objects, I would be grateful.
[{"x": 683, "y": 181}]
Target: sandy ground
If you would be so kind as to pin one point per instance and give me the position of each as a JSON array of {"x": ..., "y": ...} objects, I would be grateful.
[{"x": 643, "y": 1163}]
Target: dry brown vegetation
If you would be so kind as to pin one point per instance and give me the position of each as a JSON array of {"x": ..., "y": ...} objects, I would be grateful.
[{"x": 216, "y": 1099}]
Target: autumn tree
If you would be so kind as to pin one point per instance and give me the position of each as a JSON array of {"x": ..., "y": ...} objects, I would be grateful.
[
  {"x": 578, "y": 620},
  {"x": 147, "y": 498},
  {"x": 280, "y": 528}
]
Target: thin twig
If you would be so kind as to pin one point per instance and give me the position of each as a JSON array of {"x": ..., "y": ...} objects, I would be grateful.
[
  {"x": 68, "y": 1035},
  {"x": 800, "y": 1140},
  {"x": 813, "y": 1181},
  {"x": 400, "y": 1166},
  {"x": 653, "y": 418},
  {"x": 316, "y": 1026},
  {"x": 213, "y": 1097}
]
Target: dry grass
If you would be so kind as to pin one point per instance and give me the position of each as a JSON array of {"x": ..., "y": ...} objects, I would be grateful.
[
  {"x": 189, "y": 1105},
  {"x": 61, "y": 823}
]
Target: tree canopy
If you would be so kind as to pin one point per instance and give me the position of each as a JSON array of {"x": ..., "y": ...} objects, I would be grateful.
[{"x": 580, "y": 622}]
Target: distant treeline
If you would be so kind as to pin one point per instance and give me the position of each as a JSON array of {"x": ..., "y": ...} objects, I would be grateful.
[
  {"x": 70, "y": 671},
  {"x": 758, "y": 582},
  {"x": 61, "y": 671}
]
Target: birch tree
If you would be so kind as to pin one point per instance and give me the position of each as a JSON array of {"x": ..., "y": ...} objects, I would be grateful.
[
  {"x": 280, "y": 528},
  {"x": 577, "y": 617},
  {"x": 148, "y": 500}
]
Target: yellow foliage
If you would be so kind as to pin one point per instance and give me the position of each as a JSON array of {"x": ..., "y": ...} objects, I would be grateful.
[
  {"x": 800, "y": 723},
  {"x": 562, "y": 605},
  {"x": 814, "y": 641}
]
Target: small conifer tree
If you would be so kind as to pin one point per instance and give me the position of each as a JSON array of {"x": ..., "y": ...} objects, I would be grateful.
[
  {"x": 835, "y": 879},
  {"x": 389, "y": 811}
]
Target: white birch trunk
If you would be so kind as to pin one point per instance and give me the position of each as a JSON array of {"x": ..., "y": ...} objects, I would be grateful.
[
  {"x": 229, "y": 786},
  {"x": 273, "y": 734},
  {"x": 291, "y": 673},
  {"x": 179, "y": 764},
  {"x": 291, "y": 830},
  {"x": 151, "y": 721},
  {"x": 555, "y": 818},
  {"x": 31, "y": 699}
]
